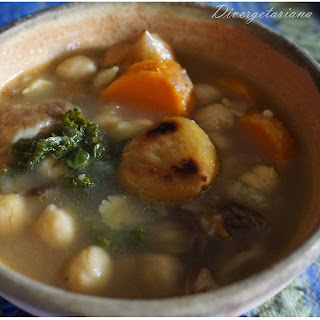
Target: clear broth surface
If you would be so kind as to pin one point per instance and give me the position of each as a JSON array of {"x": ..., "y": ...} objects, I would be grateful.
[{"x": 229, "y": 260}]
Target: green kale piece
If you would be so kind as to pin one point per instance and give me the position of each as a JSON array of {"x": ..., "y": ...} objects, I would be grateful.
[
  {"x": 76, "y": 141},
  {"x": 81, "y": 181},
  {"x": 136, "y": 238},
  {"x": 108, "y": 244},
  {"x": 121, "y": 241}
]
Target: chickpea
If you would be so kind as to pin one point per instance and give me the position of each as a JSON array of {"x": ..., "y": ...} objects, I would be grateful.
[
  {"x": 170, "y": 237},
  {"x": 89, "y": 271},
  {"x": 13, "y": 214},
  {"x": 238, "y": 108},
  {"x": 119, "y": 127},
  {"x": 105, "y": 77},
  {"x": 206, "y": 93},
  {"x": 202, "y": 282},
  {"x": 55, "y": 227},
  {"x": 261, "y": 177},
  {"x": 221, "y": 141},
  {"x": 159, "y": 275},
  {"x": 247, "y": 196},
  {"x": 38, "y": 87},
  {"x": 52, "y": 168},
  {"x": 214, "y": 117},
  {"x": 76, "y": 68}
]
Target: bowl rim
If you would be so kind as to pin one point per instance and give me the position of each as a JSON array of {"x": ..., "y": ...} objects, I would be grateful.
[{"x": 54, "y": 300}]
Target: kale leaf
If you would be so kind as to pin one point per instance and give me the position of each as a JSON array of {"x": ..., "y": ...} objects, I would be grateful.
[
  {"x": 77, "y": 142},
  {"x": 81, "y": 181},
  {"x": 121, "y": 241}
]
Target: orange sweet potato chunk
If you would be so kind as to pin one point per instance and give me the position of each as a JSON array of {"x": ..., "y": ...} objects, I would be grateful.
[
  {"x": 271, "y": 136},
  {"x": 238, "y": 88},
  {"x": 161, "y": 87}
]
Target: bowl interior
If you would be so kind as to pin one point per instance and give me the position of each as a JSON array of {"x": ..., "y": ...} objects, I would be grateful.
[{"x": 279, "y": 66}]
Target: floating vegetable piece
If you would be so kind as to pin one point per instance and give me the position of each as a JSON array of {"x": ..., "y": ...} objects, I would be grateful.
[
  {"x": 118, "y": 212},
  {"x": 237, "y": 87},
  {"x": 271, "y": 136},
  {"x": 174, "y": 160},
  {"x": 217, "y": 227},
  {"x": 239, "y": 217},
  {"x": 81, "y": 181},
  {"x": 139, "y": 47},
  {"x": 161, "y": 87},
  {"x": 76, "y": 142}
]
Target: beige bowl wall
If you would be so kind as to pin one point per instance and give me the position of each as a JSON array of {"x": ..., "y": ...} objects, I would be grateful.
[{"x": 249, "y": 46}]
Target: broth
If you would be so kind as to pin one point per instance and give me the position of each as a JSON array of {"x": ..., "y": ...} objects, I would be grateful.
[{"x": 157, "y": 248}]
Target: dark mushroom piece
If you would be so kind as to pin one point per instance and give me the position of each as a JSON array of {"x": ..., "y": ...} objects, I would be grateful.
[{"x": 237, "y": 216}]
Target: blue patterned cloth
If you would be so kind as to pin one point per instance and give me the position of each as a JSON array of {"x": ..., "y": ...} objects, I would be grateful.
[{"x": 302, "y": 296}]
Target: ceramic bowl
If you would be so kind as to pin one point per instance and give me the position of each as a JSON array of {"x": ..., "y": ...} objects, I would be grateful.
[{"x": 283, "y": 68}]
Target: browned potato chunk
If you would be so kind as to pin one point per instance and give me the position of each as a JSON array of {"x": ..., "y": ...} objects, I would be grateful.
[
  {"x": 173, "y": 160},
  {"x": 141, "y": 46}
]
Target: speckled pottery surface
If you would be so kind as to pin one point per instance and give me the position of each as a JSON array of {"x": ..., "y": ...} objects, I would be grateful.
[{"x": 281, "y": 67}]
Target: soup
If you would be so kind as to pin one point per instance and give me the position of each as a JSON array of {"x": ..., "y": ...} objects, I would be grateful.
[{"x": 140, "y": 172}]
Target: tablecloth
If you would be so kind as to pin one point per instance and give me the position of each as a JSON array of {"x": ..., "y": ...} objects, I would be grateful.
[{"x": 302, "y": 296}]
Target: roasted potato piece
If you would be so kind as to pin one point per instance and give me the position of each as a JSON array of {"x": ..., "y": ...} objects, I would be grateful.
[
  {"x": 174, "y": 160},
  {"x": 141, "y": 46}
]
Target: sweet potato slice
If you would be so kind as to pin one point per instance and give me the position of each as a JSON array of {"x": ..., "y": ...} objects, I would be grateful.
[
  {"x": 161, "y": 87},
  {"x": 140, "y": 47},
  {"x": 271, "y": 136},
  {"x": 238, "y": 88}
]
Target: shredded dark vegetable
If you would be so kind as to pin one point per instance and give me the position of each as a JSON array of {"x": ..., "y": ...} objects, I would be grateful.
[{"x": 77, "y": 142}]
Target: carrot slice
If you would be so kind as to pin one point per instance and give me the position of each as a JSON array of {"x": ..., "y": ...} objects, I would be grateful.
[
  {"x": 161, "y": 87},
  {"x": 271, "y": 136},
  {"x": 238, "y": 88}
]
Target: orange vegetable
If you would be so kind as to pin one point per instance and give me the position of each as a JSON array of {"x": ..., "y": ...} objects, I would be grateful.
[
  {"x": 238, "y": 88},
  {"x": 221, "y": 231},
  {"x": 271, "y": 136},
  {"x": 161, "y": 87}
]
